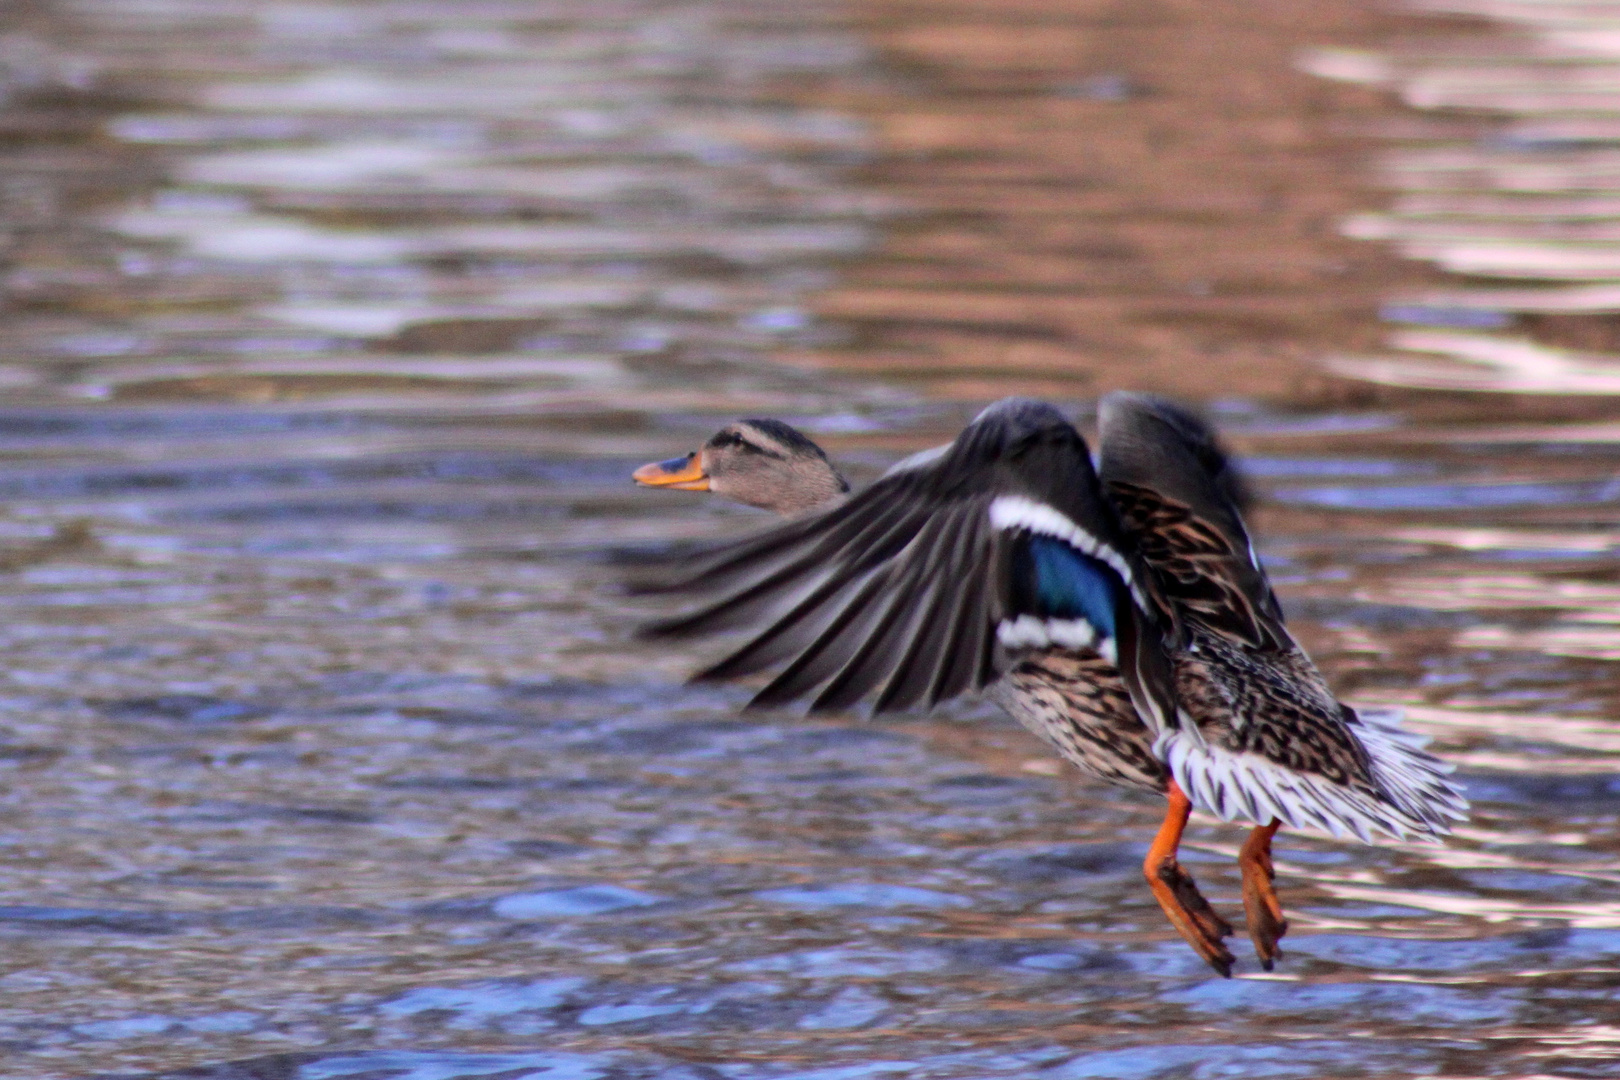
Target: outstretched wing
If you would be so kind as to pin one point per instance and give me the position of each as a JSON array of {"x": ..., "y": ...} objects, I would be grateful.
[{"x": 925, "y": 585}]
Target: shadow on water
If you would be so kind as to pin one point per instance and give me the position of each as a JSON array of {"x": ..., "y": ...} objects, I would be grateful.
[{"x": 332, "y": 333}]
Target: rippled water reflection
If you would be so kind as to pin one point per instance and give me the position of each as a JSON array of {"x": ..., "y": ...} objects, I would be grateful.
[{"x": 332, "y": 334}]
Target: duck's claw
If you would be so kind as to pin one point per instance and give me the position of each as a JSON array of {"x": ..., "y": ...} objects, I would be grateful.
[
  {"x": 1260, "y": 904},
  {"x": 1177, "y": 892},
  {"x": 1191, "y": 915}
]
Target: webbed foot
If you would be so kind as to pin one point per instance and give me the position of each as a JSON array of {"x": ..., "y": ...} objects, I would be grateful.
[
  {"x": 1177, "y": 892},
  {"x": 1260, "y": 903}
]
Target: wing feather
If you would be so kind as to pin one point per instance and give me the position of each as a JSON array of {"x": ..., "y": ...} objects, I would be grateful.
[
  {"x": 838, "y": 596},
  {"x": 933, "y": 572},
  {"x": 823, "y": 657},
  {"x": 923, "y": 586},
  {"x": 913, "y": 576},
  {"x": 866, "y": 669},
  {"x": 1178, "y": 495},
  {"x": 940, "y": 615},
  {"x": 814, "y": 555}
]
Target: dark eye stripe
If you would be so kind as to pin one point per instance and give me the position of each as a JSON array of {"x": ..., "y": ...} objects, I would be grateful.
[{"x": 730, "y": 438}]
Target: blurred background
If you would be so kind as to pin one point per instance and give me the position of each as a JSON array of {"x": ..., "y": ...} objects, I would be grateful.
[{"x": 332, "y": 332}]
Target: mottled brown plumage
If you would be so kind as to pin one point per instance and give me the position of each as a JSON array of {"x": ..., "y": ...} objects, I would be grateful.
[
  {"x": 1076, "y": 700},
  {"x": 1239, "y": 673},
  {"x": 1257, "y": 710},
  {"x": 1258, "y": 733}
]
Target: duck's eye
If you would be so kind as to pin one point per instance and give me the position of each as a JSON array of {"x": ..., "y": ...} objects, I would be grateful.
[{"x": 725, "y": 439}]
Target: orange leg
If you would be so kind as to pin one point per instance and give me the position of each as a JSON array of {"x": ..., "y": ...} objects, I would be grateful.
[
  {"x": 1266, "y": 922},
  {"x": 1178, "y": 894}
]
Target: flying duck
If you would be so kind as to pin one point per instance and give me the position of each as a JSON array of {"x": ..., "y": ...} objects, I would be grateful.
[{"x": 1118, "y": 611}]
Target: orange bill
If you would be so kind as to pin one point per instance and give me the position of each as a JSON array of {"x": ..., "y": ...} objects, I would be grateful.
[{"x": 682, "y": 473}]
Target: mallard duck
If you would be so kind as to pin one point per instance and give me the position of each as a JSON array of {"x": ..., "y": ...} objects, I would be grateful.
[{"x": 1119, "y": 612}]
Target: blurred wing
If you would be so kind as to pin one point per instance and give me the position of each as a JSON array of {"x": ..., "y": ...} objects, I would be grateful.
[
  {"x": 1207, "y": 575},
  {"x": 1177, "y": 494}
]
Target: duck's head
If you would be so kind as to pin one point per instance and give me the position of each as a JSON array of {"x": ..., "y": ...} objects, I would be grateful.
[{"x": 763, "y": 463}]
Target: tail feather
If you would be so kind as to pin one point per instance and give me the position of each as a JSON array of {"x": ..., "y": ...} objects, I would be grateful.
[{"x": 1413, "y": 799}]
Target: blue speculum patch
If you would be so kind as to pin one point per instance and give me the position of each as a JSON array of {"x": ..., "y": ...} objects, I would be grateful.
[{"x": 1069, "y": 584}]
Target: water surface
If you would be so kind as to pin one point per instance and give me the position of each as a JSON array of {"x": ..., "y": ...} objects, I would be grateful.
[{"x": 333, "y": 332}]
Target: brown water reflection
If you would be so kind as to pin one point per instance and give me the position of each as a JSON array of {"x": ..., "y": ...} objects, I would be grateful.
[
  {"x": 1100, "y": 194},
  {"x": 332, "y": 332}
]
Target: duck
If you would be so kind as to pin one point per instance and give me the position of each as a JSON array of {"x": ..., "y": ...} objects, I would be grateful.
[{"x": 1115, "y": 607}]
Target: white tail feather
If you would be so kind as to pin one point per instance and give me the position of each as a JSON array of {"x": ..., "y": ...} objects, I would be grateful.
[{"x": 1415, "y": 799}]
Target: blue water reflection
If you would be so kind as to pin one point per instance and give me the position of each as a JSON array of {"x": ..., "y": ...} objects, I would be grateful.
[
  {"x": 585, "y": 900},
  {"x": 334, "y": 330}
]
